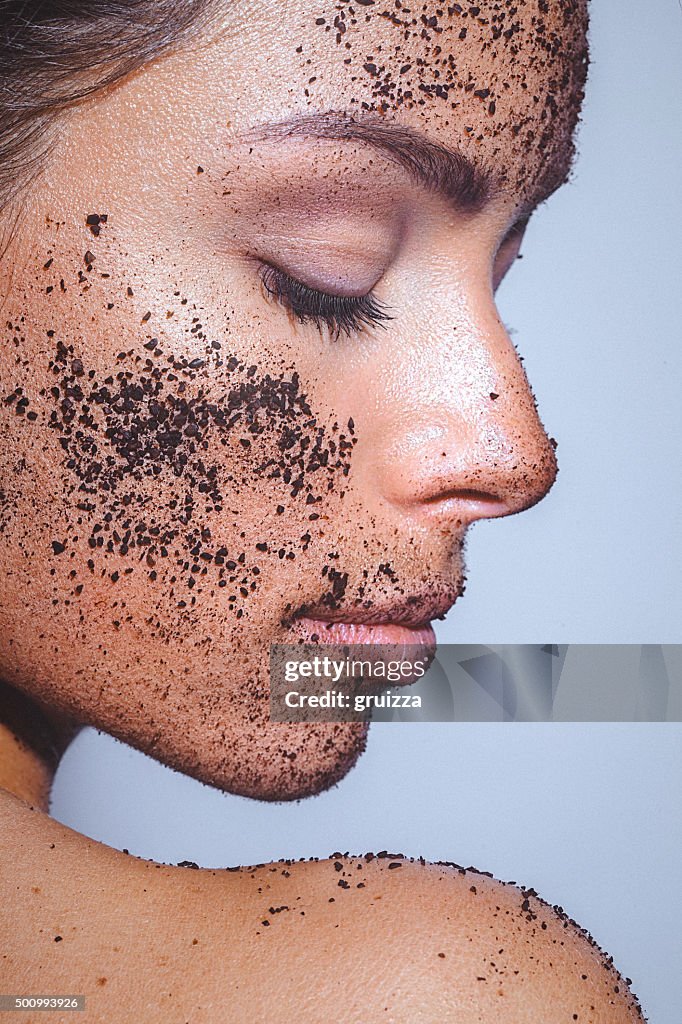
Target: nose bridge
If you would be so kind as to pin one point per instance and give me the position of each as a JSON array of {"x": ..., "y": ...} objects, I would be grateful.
[{"x": 462, "y": 436}]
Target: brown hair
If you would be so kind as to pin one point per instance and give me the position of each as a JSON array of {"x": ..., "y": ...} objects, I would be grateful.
[{"x": 55, "y": 53}]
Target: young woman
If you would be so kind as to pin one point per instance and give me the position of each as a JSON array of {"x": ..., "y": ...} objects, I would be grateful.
[{"x": 254, "y": 389}]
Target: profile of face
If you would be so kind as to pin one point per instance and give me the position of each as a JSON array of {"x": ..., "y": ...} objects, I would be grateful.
[{"x": 252, "y": 376}]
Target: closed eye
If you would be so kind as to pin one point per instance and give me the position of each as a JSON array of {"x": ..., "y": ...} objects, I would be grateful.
[{"x": 340, "y": 314}]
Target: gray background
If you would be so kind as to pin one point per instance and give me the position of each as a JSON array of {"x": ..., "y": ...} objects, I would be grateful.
[{"x": 589, "y": 814}]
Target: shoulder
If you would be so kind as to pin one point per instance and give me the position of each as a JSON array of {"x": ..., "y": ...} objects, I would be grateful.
[
  {"x": 361, "y": 939},
  {"x": 427, "y": 940}
]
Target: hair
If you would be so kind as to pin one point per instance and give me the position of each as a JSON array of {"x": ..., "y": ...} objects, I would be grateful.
[{"x": 56, "y": 53}]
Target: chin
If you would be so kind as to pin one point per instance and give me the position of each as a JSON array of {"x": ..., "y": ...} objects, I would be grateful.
[{"x": 277, "y": 762}]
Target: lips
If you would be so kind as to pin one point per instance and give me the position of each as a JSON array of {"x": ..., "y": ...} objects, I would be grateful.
[
  {"x": 402, "y": 623},
  {"x": 383, "y": 642},
  {"x": 365, "y": 633}
]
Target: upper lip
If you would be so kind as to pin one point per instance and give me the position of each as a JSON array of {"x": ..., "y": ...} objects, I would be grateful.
[{"x": 416, "y": 609}]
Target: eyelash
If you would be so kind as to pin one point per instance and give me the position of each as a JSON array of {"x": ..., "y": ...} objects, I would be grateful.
[{"x": 340, "y": 314}]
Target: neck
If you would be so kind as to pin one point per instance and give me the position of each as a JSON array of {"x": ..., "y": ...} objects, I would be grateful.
[{"x": 32, "y": 742}]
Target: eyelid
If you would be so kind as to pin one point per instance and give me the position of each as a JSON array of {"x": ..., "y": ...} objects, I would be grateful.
[
  {"x": 334, "y": 270},
  {"x": 342, "y": 314},
  {"x": 321, "y": 289}
]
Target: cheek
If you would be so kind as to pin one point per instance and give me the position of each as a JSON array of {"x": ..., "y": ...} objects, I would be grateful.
[
  {"x": 157, "y": 510},
  {"x": 172, "y": 478}
]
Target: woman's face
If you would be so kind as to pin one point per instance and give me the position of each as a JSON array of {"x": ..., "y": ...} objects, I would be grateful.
[{"x": 253, "y": 379}]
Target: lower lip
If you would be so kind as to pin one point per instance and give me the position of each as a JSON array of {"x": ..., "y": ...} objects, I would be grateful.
[{"x": 366, "y": 633}]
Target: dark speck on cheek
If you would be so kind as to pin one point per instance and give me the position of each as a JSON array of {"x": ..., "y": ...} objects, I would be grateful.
[{"x": 152, "y": 450}]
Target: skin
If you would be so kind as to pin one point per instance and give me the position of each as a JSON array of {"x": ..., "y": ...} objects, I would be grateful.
[
  {"x": 357, "y": 939},
  {"x": 114, "y": 609},
  {"x": 163, "y": 519}
]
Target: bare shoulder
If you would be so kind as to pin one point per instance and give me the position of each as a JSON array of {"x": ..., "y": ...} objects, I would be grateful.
[
  {"x": 371, "y": 938},
  {"x": 440, "y": 942}
]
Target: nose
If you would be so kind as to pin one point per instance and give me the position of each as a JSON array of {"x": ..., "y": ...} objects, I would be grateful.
[{"x": 458, "y": 436}]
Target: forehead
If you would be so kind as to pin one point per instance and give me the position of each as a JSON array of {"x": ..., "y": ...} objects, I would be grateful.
[
  {"x": 504, "y": 77},
  {"x": 501, "y": 81}
]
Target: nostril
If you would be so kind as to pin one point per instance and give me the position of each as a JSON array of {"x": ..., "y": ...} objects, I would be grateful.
[
  {"x": 466, "y": 504},
  {"x": 471, "y": 494}
]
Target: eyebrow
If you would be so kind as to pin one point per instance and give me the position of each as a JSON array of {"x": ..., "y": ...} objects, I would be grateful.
[{"x": 447, "y": 172}]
